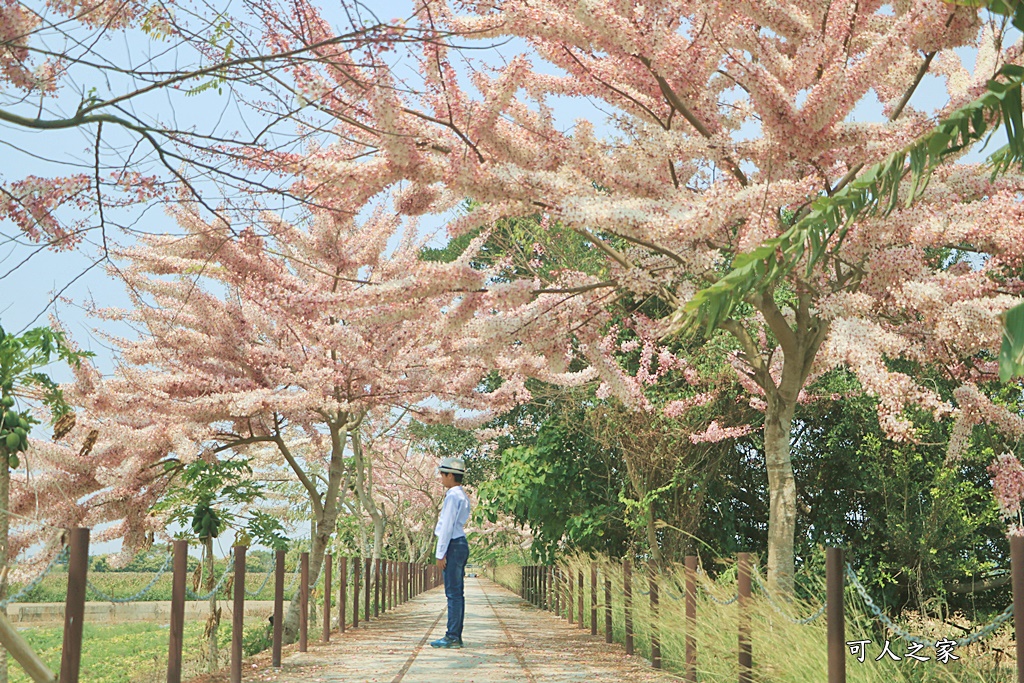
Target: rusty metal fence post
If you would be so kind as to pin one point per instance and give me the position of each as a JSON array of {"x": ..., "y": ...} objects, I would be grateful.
[
  {"x": 355, "y": 592},
  {"x": 579, "y": 587},
  {"x": 690, "y": 670},
  {"x": 278, "y": 608},
  {"x": 303, "y": 601},
  {"x": 608, "y": 635},
  {"x": 328, "y": 565},
  {"x": 366, "y": 589},
  {"x": 175, "y": 638},
  {"x": 376, "y": 587},
  {"x": 593, "y": 599},
  {"x": 652, "y": 582},
  {"x": 627, "y": 608},
  {"x": 74, "y": 605},
  {"x": 743, "y": 589},
  {"x": 238, "y": 615},
  {"x": 1017, "y": 582},
  {"x": 834, "y": 615},
  {"x": 570, "y": 603},
  {"x": 342, "y": 593}
]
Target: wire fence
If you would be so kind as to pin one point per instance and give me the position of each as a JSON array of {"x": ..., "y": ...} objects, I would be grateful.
[
  {"x": 27, "y": 589},
  {"x": 389, "y": 586},
  {"x": 137, "y": 596}
]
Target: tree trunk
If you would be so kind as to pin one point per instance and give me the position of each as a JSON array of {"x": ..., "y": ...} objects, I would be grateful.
[
  {"x": 378, "y": 537},
  {"x": 778, "y": 422},
  {"x": 799, "y": 339},
  {"x": 326, "y": 518},
  {"x": 364, "y": 491},
  {"x": 652, "y": 536},
  {"x": 213, "y": 621}
]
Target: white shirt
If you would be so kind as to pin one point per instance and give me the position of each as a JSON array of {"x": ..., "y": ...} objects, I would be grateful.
[{"x": 454, "y": 515}]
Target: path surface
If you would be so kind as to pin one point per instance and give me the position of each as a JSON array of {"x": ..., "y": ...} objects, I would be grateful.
[{"x": 506, "y": 640}]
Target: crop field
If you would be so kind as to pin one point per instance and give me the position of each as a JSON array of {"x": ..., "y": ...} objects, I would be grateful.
[{"x": 53, "y": 588}]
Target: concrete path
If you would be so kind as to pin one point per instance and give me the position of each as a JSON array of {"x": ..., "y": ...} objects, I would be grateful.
[{"x": 506, "y": 640}]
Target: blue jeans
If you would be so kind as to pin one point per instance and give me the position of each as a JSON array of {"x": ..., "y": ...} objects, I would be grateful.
[{"x": 454, "y": 585}]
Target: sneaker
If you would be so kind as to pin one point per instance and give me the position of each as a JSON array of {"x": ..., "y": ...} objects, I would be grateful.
[{"x": 447, "y": 642}]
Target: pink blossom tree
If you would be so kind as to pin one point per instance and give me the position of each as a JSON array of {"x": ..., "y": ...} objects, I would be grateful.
[
  {"x": 409, "y": 492},
  {"x": 315, "y": 328},
  {"x": 729, "y": 120}
]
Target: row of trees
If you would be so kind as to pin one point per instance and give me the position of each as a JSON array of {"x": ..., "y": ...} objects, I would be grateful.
[{"x": 732, "y": 190}]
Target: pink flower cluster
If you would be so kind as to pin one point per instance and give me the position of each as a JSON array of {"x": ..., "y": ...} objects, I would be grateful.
[{"x": 1007, "y": 484}]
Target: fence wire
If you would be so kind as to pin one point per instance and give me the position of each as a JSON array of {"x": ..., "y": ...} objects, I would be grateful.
[
  {"x": 132, "y": 598},
  {"x": 778, "y": 608},
  {"x": 228, "y": 570},
  {"x": 981, "y": 634},
  {"x": 27, "y": 588},
  {"x": 266, "y": 580}
]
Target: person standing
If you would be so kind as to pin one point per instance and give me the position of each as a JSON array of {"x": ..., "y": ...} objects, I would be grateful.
[{"x": 452, "y": 549}]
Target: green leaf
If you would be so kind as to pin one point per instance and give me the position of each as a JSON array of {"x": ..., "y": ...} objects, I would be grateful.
[{"x": 1011, "y": 353}]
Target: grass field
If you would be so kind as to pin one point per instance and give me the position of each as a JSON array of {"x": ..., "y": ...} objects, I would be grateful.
[{"x": 130, "y": 653}]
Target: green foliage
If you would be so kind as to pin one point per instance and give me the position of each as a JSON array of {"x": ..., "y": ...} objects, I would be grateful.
[
  {"x": 911, "y": 523},
  {"x": 526, "y": 247},
  {"x": 21, "y": 359},
  {"x": 565, "y": 486},
  {"x": 208, "y": 494},
  {"x": 820, "y": 232},
  {"x": 1011, "y": 352},
  {"x": 221, "y": 73}
]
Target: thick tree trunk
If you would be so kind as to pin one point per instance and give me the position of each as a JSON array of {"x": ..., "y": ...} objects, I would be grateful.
[
  {"x": 778, "y": 422},
  {"x": 799, "y": 339},
  {"x": 364, "y": 491},
  {"x": 326, "y": 518},
  {"x": 378, "y": 537},
  {"x": 652, "y": 536}
]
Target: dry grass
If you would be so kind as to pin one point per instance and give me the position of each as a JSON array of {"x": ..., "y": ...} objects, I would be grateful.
[{"x": 783, "y": 652}]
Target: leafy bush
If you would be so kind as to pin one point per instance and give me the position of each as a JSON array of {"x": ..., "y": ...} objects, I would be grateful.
[{"x": 256, "y": 639}]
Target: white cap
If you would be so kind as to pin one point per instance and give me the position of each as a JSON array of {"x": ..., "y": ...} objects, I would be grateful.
[{"x": 452, "y": 466}]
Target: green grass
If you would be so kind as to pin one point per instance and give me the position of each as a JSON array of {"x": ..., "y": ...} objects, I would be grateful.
[
  {"x": 133, "y": 652},
  {"x": 782, "y": 652}
]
